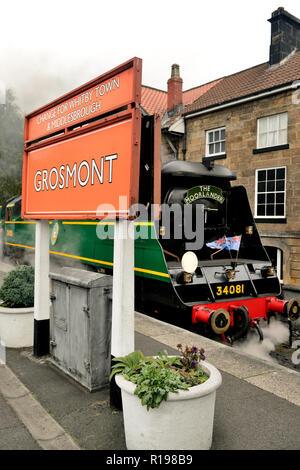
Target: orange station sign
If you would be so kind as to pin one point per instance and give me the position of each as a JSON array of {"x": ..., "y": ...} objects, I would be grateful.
[{"x": 82, "y": 150}]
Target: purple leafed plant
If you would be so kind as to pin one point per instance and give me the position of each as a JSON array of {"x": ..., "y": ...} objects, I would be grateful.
[{"x": 191, "y": 356}]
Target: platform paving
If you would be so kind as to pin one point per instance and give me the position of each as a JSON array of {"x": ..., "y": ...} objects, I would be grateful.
[
  {"x": 257, "y": 405},
  {"x": 13, "y": 433}
]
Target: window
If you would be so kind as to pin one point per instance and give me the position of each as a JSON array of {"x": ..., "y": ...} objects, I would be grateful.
[
  {"x": 215, "y": 142},
  {"x": 276, "y": 257},
  {"x": 270, "y": 193},
  {"x": 272, "y": 130}
]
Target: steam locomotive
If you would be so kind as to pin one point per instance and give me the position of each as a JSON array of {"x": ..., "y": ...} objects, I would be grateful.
[{"x": 224, "y": 287}]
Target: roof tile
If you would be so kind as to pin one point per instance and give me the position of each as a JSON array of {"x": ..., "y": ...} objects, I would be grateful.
[
  {"x": 155, "y": 101},
  {"x": 232, "y": 87},
  {"x": 248, "y": 82}
]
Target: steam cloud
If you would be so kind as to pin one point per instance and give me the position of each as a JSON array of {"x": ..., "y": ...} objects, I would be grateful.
[{"x": 274, "y": 334}]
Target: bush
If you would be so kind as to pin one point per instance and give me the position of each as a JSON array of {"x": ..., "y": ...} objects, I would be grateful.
[{"x": 17, "y": 289}]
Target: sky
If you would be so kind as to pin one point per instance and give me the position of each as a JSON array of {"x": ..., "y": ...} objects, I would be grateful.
[{"x": 49, "y": 48}]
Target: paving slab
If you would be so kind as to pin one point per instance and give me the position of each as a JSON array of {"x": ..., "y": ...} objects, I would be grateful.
[
  {"x": 85, "y": 416},
  {"x": 5, "y": 267},
  {"x": 13, "y": 433},
  {"x": 43, "y": 428},
  {"x": 280, "y": 383}
]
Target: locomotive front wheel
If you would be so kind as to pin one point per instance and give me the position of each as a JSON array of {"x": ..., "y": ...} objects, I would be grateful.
[
  {"x": 292, "y": 309},
  {"x": 220, "y": 321}
]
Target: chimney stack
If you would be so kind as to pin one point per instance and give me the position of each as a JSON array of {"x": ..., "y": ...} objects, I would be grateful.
[
  {"x": 174, "y": 90},
  {"x": 285, "y": 35}
]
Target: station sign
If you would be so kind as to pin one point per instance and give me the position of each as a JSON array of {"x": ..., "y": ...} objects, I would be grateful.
[{"x": 82, "y": 151}]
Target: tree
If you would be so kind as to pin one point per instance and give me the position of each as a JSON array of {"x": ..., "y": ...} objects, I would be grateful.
[{"x": 11, "y": 147}]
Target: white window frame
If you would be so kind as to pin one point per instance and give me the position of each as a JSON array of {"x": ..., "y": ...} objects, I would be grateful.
[
  {"x": 259, "y": 122},
  {"x": 207, "y": 154},
  {"x": 278, "y": 264},
  {"x": 256, "y": 193}
]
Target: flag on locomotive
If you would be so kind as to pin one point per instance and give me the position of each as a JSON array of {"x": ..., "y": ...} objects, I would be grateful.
[{"x": 226, "y": 243}]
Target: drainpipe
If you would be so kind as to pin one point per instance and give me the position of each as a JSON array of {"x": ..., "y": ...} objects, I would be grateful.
[{"x": 184, "y": 140}]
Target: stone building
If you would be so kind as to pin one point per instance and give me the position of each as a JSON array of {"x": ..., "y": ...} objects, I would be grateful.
[{"x": 250, "y": 121}]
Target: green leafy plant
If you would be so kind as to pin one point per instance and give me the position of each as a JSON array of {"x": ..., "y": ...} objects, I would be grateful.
[
  {"x": 17, "y": 289},
  {"x": 128, "y": 365},
  {"x": 155, "y": 377}
]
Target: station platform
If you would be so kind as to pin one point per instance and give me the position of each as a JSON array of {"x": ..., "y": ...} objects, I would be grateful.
[{"x": 257, "y": 405}]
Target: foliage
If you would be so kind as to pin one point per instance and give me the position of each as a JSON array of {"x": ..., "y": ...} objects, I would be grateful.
[
  {"x": 154, "y": 384},
  {"x": 17, "y": 289},
  {"x": 155, "y": 377},
  {"x": 191, "y": 356},
  {"x": 9, "y": 186},
  {"x": 129, "y": 364},
  {"x": 11, "y": 147}
]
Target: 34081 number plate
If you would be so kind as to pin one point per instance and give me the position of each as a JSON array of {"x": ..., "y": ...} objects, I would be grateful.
[{"x": 231, "y": 289}]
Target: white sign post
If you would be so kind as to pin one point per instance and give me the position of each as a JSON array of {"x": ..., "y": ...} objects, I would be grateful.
[
  {"x": 122, "y": 339},
  {"x": 41, "y": 290},
  {"x": 122, "y": 333}
]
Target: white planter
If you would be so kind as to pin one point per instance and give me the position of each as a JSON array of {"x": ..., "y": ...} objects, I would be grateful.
[
  {"x": 16, "y": 327},
  {"x": 183, "y": 422}
]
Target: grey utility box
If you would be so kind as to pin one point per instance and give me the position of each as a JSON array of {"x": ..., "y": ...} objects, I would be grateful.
[{"x": 80, "y": 325}]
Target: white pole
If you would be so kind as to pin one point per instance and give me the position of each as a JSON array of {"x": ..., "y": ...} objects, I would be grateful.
[
  {"x": 41, "y": 289},
  {"x": 122, "y": 335}
]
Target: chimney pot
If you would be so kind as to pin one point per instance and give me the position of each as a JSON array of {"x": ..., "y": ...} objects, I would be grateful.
[
  {"x": 175, "y": 71},
  {"x": 174, "y": 90}
]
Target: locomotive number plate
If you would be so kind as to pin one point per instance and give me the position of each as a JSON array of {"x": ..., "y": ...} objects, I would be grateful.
[{"x": 230, "y": 289}]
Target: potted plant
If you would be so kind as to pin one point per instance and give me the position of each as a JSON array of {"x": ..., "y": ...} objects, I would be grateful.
[
  {"x": 168, "y": 401},
  {"x": 17, "y": 307}
]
